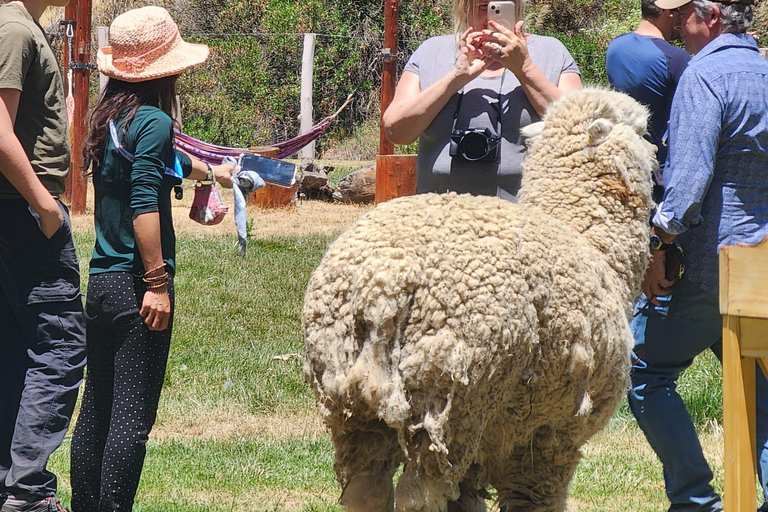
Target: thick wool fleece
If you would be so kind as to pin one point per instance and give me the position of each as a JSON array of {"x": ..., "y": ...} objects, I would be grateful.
[{"x": 479, "y": 341}]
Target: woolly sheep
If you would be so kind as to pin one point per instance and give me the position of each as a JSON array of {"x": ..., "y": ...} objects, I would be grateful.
[{"x": 483, "y": 342}]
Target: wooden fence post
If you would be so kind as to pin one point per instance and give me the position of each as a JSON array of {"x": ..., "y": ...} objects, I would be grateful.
[
  {"x": 395, "y": 177},
  {"x": 77, "y": 185},
  {"x": 307, "y": 71},
  {"x": 103, "y": 33}
]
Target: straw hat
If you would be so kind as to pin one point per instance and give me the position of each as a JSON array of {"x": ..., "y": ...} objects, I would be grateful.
[{"x": 145, "y": 44}]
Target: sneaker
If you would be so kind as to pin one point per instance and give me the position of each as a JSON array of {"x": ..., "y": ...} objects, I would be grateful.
[{"x": 47, "y": 505}]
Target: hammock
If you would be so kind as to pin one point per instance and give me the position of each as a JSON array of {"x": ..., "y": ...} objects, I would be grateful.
[{"x": 214, "y": 155}]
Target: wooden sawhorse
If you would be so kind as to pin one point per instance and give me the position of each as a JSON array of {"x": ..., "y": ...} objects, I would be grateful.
[{"x": 744, "y": 306}]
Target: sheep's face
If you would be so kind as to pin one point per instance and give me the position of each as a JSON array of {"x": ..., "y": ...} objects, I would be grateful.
[
  {"x": 597, "y": 135},
  {"x": 584, "y": 118}
]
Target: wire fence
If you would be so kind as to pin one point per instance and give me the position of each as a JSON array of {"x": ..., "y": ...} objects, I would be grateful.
[{"x": 248, "y": 92}]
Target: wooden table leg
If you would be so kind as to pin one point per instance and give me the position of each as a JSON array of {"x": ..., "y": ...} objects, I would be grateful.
[{"x": 739, "y": 427}]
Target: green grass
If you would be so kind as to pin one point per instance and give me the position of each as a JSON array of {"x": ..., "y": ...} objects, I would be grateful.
[{"x": 210, "y": 452}]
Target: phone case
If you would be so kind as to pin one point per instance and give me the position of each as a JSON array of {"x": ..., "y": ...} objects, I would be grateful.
[
  {"x": 503, "y": 13},
  {"x": 275, "y": 172}
]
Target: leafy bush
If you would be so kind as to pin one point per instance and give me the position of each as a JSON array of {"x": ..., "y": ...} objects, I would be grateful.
[{"x": 248, "y": 93}]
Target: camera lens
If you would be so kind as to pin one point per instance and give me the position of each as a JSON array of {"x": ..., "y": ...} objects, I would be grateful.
[{"x": 474, "y": 146}]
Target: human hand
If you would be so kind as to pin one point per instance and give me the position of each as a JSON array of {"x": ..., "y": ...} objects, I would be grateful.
[
  {"x": 224, "y": 173},
  {"x": 471, "y": 60},
  {"x": 51, "y": 218},
  {"x": 655, "y": 283},
  {"x": 507, "y": 46},
  {"x": 156, "y": 308}
]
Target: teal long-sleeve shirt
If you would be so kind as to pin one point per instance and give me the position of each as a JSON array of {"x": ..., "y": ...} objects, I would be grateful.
[{"x": 124, "y": 190}]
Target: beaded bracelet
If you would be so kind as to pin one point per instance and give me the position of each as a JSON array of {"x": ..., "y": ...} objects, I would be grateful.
[
  {"x": 151, "y": 283},
  {"x": 156, "y": 279},
  {"x": 154, "y": 269}
]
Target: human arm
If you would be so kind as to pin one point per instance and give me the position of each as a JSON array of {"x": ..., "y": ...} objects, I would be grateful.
[
  {"x": 655, "y": 282},
  {"x": 153, "y": 149},
  {"x": 18, "y": 171},
  {"x": 156, "y": 304},
  {"x": 198, "y": 170},
  {"x": 412, "y": 109},
  {"x": 509, "y": 48},
  {"x": 694, "y": 139}
]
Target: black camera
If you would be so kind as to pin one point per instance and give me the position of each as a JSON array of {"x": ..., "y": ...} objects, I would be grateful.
[{"x": 475, "y": 144}]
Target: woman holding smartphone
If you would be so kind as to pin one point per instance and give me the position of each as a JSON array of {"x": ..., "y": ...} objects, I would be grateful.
[
  {"x": 130, "y": 300},
  {"x": 466, "y": 96}
]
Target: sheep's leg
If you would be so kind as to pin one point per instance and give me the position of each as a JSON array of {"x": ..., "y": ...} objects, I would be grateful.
[
  {"x": 536, "y": 475},
  {"x": 366, "y": 461},
  {"x": 370, "y": 490},
  {"x": 473, "y": 493},
  {"x": 471, "y": 500},
  {"x": 419, "y": 492}
]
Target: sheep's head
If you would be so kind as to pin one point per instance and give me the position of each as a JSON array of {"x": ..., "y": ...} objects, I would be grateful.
[
  {"x": 587, "y": 116},
  {"x": 589, "y": 165},
  {"x": 591, "y": 135}
]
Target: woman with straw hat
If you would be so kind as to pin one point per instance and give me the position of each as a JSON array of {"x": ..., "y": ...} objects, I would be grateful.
[{"x": 129, "y": 305}]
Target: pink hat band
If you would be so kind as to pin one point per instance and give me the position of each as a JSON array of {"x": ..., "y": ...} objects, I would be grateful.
[{"x": 137, "y": 63}]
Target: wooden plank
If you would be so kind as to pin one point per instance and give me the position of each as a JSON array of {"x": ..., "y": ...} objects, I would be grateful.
[
  {"x": 395, "y": 177},
  {"x": 744, "y": 280},
  {"x": 754, "y": 337},
  {"x": 738, "y": 422}
]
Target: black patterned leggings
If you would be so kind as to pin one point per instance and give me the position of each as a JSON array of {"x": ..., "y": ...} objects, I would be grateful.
[{"x": 125, "y": 372}]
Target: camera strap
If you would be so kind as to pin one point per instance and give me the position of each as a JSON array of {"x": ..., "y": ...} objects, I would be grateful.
[{"x": 498, "y": 106}]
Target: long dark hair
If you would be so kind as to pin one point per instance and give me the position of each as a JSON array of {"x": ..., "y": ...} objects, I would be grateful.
[{"x": 119, "y": 96}]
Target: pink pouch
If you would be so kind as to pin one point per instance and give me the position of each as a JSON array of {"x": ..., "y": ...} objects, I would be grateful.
[{"x": 207, "y": 206}]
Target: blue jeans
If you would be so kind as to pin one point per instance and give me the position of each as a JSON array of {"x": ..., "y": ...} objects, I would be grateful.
[
  {"x": 42, "y": 347},
  {"x": 667, "y": 339}
]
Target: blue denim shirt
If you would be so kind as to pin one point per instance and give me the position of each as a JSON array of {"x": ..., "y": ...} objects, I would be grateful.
[{"x": 717, "y": 169}]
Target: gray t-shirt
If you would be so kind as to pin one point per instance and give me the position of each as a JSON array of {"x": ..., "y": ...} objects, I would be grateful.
[
  {"x": 28, "y": 64},
  {"x": 437, "y": 170}
]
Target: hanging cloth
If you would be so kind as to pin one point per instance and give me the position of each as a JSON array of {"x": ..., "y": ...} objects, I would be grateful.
[{"x": 215, "y": 155}]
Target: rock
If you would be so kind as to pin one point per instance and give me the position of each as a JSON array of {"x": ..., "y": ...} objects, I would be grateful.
[
  {"x": 311, "y": 180},
  {"x": 307, "y": 165},
  {"x": 357, "y": 187},
  {"x": 315, "y": 185}
]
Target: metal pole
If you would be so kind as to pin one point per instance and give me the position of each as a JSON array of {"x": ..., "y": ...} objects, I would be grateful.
[{"x": 388, "y": 69}]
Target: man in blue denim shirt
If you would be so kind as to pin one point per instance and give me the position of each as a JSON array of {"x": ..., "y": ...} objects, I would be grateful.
[{"x": 716, "y": 194}]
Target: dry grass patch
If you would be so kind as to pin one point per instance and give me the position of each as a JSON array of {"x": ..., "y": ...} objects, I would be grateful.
[
  {"x": 303, "y": 218},
  {"x": 229, "y": 425}
]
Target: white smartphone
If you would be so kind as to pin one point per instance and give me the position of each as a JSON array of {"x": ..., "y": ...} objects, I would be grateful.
[{"x": 503, "y": 13}]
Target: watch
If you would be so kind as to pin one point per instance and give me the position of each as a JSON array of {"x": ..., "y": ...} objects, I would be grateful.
[{"x": 656, "y": 244}]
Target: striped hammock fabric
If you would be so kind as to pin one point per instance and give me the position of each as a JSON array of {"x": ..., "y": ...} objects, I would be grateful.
[{"x": 215, "y": 154}]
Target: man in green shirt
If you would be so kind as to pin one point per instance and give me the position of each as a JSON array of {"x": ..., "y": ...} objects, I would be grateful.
[{"x": 42, "y": 329}]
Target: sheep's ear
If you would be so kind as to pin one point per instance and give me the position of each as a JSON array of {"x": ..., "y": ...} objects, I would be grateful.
[
  {"x": 599, "y": 129},
  {"x": 532, "y": 130}
]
